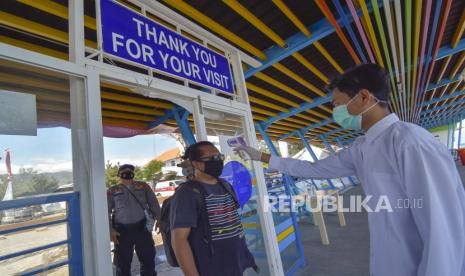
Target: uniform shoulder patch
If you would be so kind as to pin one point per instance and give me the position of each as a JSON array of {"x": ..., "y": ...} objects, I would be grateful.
[
  {"x": 116, "y": 189},
  {"x": 141, "y": 185}
]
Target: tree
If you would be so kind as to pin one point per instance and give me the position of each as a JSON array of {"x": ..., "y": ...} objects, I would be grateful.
[
  {"x": 42, "y": 184},
  {"x": 262, "y": 146},
  {"x": 111, "y": 174},
  {"x": 157, "y": 177},
  {"x": 170, "y": 176},
  {"x": 23, "y": 182},
  {"x": 294, "y": 148},
  {"x": 139, "y": 173},
  {"x": 3, "y": 184},
  {"x": 152, "y": 169}
]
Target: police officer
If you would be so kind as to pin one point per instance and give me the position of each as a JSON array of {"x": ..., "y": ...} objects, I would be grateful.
[{"x": 126, "y": 204}]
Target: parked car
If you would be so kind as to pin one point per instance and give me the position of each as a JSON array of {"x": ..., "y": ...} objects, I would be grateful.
[{"x": 166, "y": 188}]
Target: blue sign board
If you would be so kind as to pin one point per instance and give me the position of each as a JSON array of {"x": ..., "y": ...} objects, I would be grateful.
[
  {"x": 131, "y": 36},
  {"x": 241, "y": 180}
]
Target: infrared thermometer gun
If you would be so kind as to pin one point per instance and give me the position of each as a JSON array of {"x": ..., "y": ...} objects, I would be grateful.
[{"x": 237, "y": 142}]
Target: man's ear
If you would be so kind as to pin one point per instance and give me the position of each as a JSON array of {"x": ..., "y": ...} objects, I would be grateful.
[{"x": 365, "y": 96}]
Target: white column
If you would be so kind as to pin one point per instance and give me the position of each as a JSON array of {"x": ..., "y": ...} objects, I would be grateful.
[
  {"x": 96, "y": 198},
  {"x": 199, "y": 121},
  {"x": 266, "y": 218},
  {"x": 88, "y": 159},
  {"x": 76, "y": 31}
]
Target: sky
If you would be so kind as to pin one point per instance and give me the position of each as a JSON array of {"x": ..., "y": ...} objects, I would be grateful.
[{"x": 50, "y": 150}]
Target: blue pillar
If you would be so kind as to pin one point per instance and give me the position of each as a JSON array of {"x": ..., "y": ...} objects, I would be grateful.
[
  {"x": 74, "y": 229},
  {"x": 453, "y": 135},
  {"x": 328, "y": 145},
  {"x": 301, "y": 134},
  {"x": 288, "y": 181},
  {"x": 186, "y": 131}
]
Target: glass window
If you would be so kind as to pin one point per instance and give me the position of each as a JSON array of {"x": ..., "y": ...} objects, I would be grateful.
[
  {"x": 35, "y": 130},
  {"x": 36, "y": 158}
]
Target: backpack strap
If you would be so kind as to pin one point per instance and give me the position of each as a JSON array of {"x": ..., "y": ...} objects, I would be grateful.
[
  {"x": 200, "y": 195},
  {"x": 228, "y": 187}
]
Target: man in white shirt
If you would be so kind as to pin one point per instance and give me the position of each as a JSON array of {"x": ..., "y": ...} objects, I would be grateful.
[{"x": 399, "y": 161}]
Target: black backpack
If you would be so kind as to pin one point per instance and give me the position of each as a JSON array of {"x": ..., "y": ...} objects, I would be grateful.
[{"x": 200, "y": 193}]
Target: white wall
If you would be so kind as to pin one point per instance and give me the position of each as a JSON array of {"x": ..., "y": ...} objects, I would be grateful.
[{"x": 441, "y": 136}]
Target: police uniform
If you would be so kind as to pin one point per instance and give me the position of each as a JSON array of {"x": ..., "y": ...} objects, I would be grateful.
[{"x": 128, "y": 219}]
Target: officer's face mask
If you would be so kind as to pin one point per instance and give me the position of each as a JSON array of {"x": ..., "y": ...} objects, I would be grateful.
[
  {"x": 346, "y": 120},
  {"x": 214, "y": 165},
  {"x": 128, "y": 175}
]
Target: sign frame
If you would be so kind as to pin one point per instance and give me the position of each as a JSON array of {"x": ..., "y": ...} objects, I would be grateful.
[{"x": 226, "y": 56}]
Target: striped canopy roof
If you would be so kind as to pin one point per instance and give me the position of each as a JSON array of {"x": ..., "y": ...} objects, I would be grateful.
[{"x": 301, "y": 45}]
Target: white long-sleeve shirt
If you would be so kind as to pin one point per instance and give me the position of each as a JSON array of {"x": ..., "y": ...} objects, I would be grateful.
[{"x": 405, "y": 164}]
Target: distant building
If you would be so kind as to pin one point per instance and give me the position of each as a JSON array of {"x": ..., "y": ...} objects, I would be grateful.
[{"x": 170, "y": 158}]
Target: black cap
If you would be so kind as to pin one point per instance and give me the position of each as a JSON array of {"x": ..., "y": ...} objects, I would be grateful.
[{"x": 126, "y": 167}]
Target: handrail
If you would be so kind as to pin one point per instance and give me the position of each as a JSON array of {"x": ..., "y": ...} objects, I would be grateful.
[
  {"x": 32, "y": 250},
  {"x": 36, "y": 200},
  {"x": 73, "y": 219},
  {"x": 23, "y": 228},
  {"x": 43, "y": 269}
]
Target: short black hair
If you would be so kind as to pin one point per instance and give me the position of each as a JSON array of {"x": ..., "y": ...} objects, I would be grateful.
[
  {"x": 193, "y": 152},
  {"x": 371, "y": 77}
]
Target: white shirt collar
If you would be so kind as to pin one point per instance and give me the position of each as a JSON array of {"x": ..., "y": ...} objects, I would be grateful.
[{"x": 376, "y": 129}]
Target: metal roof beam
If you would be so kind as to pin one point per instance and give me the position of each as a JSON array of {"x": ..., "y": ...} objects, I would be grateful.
[
  {"x": 443, "y": 115},
  {"x": 438, "y": 117},
  {"x": 306, "y": 129},
  {"x": 169, "y": 114},
  {"x": 325, "y": 135},
  {"x": 442, "y": 83},
  {"x": 446, "y": 113},
  {"x": 446, "y": 97},
  {"x": 298, "y": 41},
  {"x": 444, "y": 121},
  {"x": 292, "y": 111},
  {"x": 449, "y": 50},
  {"x": 426, "y": 112}
]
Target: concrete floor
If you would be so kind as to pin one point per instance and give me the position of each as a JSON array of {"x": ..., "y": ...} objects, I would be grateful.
[{"x": 349, "y": 248}]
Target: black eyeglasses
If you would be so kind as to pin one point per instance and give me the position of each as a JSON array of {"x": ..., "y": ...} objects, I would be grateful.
[{"x": 217, "y": 157}]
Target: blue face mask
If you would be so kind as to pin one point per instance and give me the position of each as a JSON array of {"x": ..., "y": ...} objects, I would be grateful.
[{"x": 346, "y": 120}]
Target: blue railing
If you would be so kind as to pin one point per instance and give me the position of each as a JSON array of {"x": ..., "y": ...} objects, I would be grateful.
[{"x": 73, "y": 219}]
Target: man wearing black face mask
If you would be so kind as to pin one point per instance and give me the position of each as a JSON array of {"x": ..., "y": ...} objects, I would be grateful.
[
  {"x": 206, "y": 230},
  {"x": 132, "y": 205}
]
